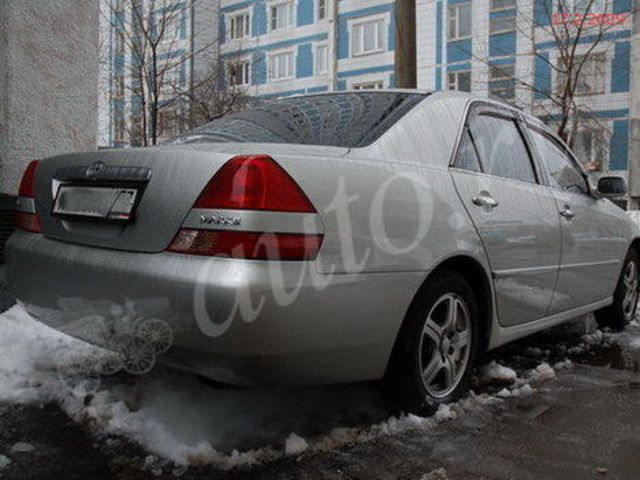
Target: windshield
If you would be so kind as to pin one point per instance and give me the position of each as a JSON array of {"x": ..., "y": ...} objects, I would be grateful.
[{"x": 353, "y": 119}]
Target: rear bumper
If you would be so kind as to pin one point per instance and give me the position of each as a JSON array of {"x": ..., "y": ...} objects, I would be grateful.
[{"x": 236, "y": 321}]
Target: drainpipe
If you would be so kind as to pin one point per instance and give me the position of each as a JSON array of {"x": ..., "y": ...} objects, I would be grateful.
[
  {"x": 405, "y": 55},
  {"x": 332, "y": 36}
]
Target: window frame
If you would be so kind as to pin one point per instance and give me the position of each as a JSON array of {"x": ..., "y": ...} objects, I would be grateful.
[
  {"x": 481, "y": 107},
  {"x": 276, "y": 53},
  {"x": 291, "y": 13},
  {"x": 325, "y": 5},
  {"x": 456, "y": 73},
  {"x": 317, "y": 47},
  {"x": 456, "y": 7},
  {"x": 501, "y": 9},
  {"x": 504, "y": 30},
  {"x": 360, "y": 23},
  {"x": 231, "y": 17},
  {"x": 368, "y": 85},
  {"x": 246, "y": 72}
]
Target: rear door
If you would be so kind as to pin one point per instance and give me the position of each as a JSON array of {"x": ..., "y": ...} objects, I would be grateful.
[
  {"x": 516, "y": 217},
  {"x": 593, "y": 238}
]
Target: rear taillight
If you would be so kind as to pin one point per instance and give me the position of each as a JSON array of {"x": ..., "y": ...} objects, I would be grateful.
[
  {"x": 27, "y": 218},
  {"x": 255, "y": 183}
]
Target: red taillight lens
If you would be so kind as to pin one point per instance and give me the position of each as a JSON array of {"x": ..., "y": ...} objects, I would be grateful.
[
  {"x": 254, "y": 182},
  {"x": 249, "y": 245},
  {"x": 28, "y": 177},
  {"x": 27, "y": 218},
  {"x": 29, "y": 222}
]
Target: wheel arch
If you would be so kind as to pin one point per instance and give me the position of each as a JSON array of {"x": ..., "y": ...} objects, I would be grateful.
[{"x": 479, "y": 280}]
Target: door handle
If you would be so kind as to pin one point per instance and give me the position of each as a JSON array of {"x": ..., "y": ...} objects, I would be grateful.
[
  {"x": 484, "y": 199},
  {"x": 567, "y": 213}
]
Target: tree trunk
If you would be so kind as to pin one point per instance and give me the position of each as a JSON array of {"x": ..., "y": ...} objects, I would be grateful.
[{"x": 405, "y": 61}]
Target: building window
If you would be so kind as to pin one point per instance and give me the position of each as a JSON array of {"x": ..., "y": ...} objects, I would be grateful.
[
  {"x": 119, "y": 47},
  {"x": 238, "y": 73},
  {"x": 368, "y": 37},
  {"x": 589, "y": 147},
  {"x": 322, "y": 9},
  {"x": 322, "y": 55},
  {"x": 239, "y": 25},
  {"x": 592, "y": 77},
  {"x": 502, "y": 24},
  {"x": 281, "y": 66},
  {"x": 118, "y": 87},
  {"x": 459, "y": 81},
  {"x": 281, "y": 15},
  {"x": 119, "y": 130},
  {"x": 374, "y": 85},
  {"x": 588, "y": 6},
  {"x": 497, "y": 5},
  {"x": 502, "y": 84},
  {"x": 459, "y": 21}
]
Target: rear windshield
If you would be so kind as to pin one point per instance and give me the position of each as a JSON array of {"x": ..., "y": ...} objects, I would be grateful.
[{"x": 354, "y": 119}]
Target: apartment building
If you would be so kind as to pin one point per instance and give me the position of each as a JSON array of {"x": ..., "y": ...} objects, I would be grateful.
[
  {"x": 287, "y": 47},
  {"x": 507, "y": 49}
]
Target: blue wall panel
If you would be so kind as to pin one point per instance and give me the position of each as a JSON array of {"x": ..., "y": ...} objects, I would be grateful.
[
  {"x": 542, "y": 81},
  {"x": 502, "y": 44},
  {"x": 259, "y": 19},
  {"x": 304, "y": 61},
  {"x": 619, "y": 149},
  {"x": 343, "y": 38},
  {"x": 459, "y": 51},
  {"x": 258, "y": 69},
  {"x": 620, "y": 67},
  {"x": 305, "y": 12}
]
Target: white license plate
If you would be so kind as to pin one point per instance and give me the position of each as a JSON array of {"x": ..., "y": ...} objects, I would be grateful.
[{"x": 95, "y": 202}]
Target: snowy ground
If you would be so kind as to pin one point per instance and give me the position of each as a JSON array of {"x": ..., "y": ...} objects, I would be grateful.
[{"x": 178, "y": 425}]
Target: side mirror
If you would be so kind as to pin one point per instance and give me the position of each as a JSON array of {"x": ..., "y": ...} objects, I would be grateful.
[{"x": 612, "y": 186}]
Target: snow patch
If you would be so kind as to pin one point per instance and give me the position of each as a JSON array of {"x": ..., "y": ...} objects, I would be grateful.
[
  {"x": 4, "y": 462},
  {"x": 541, "y": 373},
  {"x": 22, "y": 447},
  {"x": 295, "y": 445},
  {"x": 496, "y": 372}
]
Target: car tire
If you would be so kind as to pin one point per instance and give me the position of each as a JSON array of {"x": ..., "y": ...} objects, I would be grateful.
[
  {"x": 625, "y": 298},
  {"x": 434, "y": 354}
]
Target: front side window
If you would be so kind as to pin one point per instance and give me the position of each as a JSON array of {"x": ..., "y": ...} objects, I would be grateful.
[
  {"x": 501, "y": 148},
  {"x": 281, "y": 66},
  {"x": 589, "y": 146},
  {"x": 281, "y": 15},
  {"x": 460, "y": 81},
  {"x": 368, "y": 37},
  {"x": 563, "y": 173},
  {"x": 459, "y": 21},
  {"x": 239, "y": 26}
]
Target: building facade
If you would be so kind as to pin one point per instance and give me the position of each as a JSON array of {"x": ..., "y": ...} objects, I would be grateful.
[
  {"x": 287, "y": 47},
  {"x": 508, "y": 49},
  {"x": 184, "y": 33}
]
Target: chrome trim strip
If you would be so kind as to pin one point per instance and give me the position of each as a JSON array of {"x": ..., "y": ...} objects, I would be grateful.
[
  {"x": 254, "y": 221},
  {"x": 501, "y": 335},
  {"x": 26, "y": 205},
  {"x": 524, "y": 271},
  {"x": 591, "y": 264},
  {"x": 551, "y": 268}
]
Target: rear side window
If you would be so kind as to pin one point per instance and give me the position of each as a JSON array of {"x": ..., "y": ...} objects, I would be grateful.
[
  {"x": 467, "y": 158},
  {"x": 354, "y": 119},
  {"x": 501, "y": 148},
  {"x": 563, "y": 173}
]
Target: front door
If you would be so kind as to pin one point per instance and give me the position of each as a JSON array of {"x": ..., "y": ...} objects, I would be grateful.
[
  {"x": 593, "y": 243},
  {"x": 516, "y": 217}
]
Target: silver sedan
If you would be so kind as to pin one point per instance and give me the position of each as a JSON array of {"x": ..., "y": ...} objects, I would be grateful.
[{"x": 326, "y": 238}]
